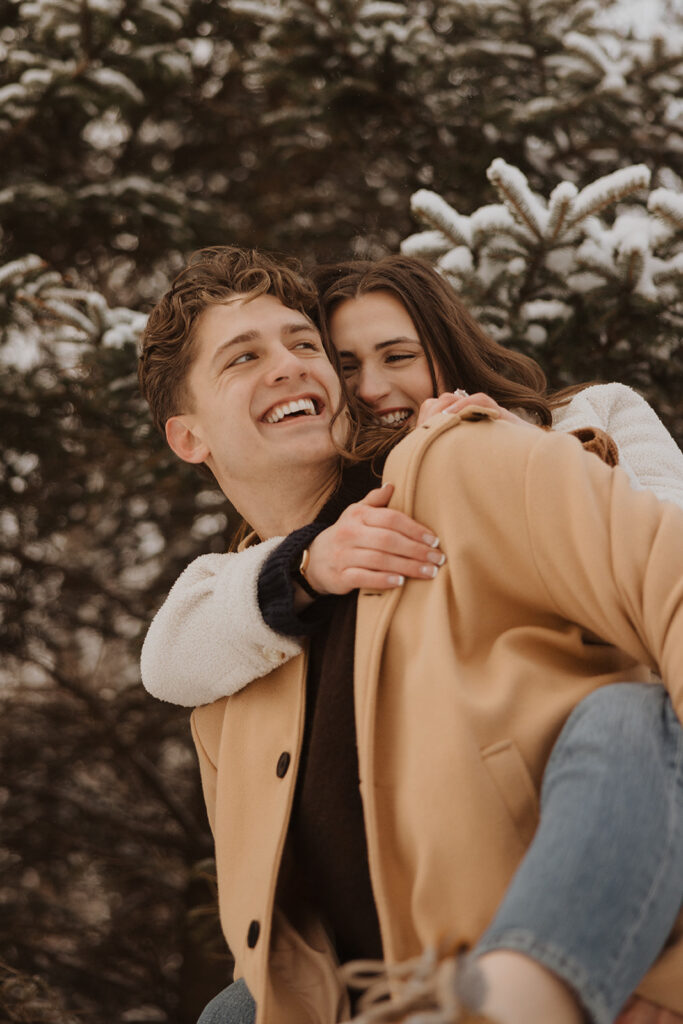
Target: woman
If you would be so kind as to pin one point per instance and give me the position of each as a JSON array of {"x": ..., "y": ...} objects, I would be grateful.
[
  {"x": 401, "y": 326},
  {"x": 403, "y": 337}
]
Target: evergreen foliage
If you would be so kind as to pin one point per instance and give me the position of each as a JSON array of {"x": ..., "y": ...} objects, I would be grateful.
[
  {"x": 585, "y": 282},
  {"x": 543, "y": 151}
]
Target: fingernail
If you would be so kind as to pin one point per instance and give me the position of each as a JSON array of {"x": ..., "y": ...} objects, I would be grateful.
[
  {"x": 430, "y": 539},
  {"x": 429, "y": 570},
  {"x": 396, "y": 581},
  {"x": 437, "y": 557}
]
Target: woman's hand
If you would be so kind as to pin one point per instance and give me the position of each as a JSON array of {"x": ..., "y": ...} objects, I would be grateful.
[
  {"x": 456, "y": 401},
  {"x": 372, "y": 546},
  {"x": 640, "y": 1011}
]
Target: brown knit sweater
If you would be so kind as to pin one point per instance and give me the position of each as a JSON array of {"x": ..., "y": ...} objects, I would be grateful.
[{"x": 326, "y": 835}]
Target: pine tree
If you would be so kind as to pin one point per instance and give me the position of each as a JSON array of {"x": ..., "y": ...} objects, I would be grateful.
[
  {"x": 102, "y": 817},
  {"x": 445, "y": 88},
  {"x": 589, "y": 282}
]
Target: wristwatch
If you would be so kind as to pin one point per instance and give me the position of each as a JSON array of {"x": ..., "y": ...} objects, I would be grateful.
[{"x": 299, "y": 574}]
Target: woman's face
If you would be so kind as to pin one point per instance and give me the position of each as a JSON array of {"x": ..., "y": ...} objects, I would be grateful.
[{"x": 382, "y": 357}]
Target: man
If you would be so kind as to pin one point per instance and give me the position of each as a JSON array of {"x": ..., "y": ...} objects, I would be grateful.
[{"x": 460, "y": 689}]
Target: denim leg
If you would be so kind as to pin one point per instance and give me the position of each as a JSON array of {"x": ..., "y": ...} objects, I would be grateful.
[
  {"x": 602, "y": 882},
  {"x": 233, "y": 1005}
]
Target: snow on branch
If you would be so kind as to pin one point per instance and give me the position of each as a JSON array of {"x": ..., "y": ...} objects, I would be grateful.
[
  {"x": 631, "y": 260},
  {"x": 489, "y": 221},
  {"x": 378, "y": 11},
  {"x": 47, "y": 13},
  {"x": 426, "y": 243},
  {"x": 270, "y": 13},
  {"x": 560, "y": 206},
  {"x": 608, "y": 190},
  {"x": 498, "y": 48},
  {"x": 669, "y": 270},
  {"x": 668, "y": 206},
  {"x": 13, "y": 93},
  {"x": 57, "y": 314},
  {"x": 107, "y": 8},
  {"x": 67, "y": 313},
  {"x": 435, "y": 211},
  {"x": 18, "y": 270},
  {"x": 116, "y": 82},
  {"x": 459, "y": 262},
  {"x": 540, "y": 107},
  {"x": 122, "y": 326},
  {"x": 167, "y": 13},
  {"x": 530, "y": 266},
  {"x": 611, "y": 71},
  {"x": 547, "y": 310},
  {"x": 513, "y": 188}
]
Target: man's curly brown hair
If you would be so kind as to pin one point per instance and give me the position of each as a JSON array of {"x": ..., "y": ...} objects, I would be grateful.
[{"x": 213, "y": 276}]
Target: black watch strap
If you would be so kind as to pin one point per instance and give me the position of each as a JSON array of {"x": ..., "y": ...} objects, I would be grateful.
[{"x": 299, "y": 574}]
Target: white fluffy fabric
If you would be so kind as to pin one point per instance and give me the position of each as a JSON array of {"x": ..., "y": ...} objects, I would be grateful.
[{"x": 208, "y": 639}]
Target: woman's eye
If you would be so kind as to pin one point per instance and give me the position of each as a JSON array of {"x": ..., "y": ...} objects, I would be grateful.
[
  {"x": 349, "y": 368},
  {"x": 399, "y": 357},
  {"x": 308, "y": 344}
]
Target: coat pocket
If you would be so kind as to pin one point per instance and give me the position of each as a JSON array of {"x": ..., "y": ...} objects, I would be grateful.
[{"x": 511, "y": 777}]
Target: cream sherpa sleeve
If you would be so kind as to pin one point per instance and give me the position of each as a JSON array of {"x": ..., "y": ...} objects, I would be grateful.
[
  {"x": 208, "y": 639},
  {"x": 647, "y": 451}
]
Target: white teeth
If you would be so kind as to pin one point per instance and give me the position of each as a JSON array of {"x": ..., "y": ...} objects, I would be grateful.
[
  {"x": 287, "y": 408},
  {"x": 392, "y": 418}
]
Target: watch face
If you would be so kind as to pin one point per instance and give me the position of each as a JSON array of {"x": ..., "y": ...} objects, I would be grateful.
[{"x": 300, "y": 575}]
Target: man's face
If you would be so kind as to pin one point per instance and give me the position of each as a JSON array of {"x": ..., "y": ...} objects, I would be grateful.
[{"x": 263, "y": 392}]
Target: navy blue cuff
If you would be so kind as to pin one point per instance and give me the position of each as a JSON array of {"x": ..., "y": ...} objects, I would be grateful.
[{"x": 276, "y": 587}]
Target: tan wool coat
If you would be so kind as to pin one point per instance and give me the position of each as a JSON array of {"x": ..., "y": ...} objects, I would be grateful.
[{"x": 560, "y": 578}]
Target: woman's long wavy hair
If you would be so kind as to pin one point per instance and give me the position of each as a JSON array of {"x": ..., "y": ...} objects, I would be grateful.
[{"x": 456, "y": 346}]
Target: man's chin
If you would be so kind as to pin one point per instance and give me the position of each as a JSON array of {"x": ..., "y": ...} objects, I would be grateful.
[{"x": 306, "y": 449}]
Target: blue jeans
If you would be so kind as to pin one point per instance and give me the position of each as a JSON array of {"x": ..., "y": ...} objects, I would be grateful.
[
  {"x": 601, "y": 885},
  {"x": 233, "y": 1005}
]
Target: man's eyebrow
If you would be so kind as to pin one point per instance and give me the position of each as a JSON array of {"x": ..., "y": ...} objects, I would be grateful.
[
  {"x": 245, "y": 337},
  {"x": 300, "y": 326},
  {"x": 382, "y": 344}
]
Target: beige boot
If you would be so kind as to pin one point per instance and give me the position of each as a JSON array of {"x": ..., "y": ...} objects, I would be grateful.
[{"x": 424, "y": 990}]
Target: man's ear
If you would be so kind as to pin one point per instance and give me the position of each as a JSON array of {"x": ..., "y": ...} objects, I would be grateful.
[{"x": 187, "y": 445}]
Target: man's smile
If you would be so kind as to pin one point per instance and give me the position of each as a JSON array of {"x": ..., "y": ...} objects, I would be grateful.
[{"x": 295, "y": 408}]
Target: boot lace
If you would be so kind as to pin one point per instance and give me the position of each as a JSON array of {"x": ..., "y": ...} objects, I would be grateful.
[{"x": 423, "y": 990}]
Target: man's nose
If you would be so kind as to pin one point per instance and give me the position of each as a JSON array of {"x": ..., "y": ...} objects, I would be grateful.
[
  {"x": 285, "y": 364},
  {"x": 372, "y": 385}
]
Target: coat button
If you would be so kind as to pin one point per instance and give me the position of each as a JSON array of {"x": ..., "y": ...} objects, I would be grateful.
[
  {"x": 253, "y": 934},
  {"x": 282, "y": 765},
  {"x": 273, "y": 656}
]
